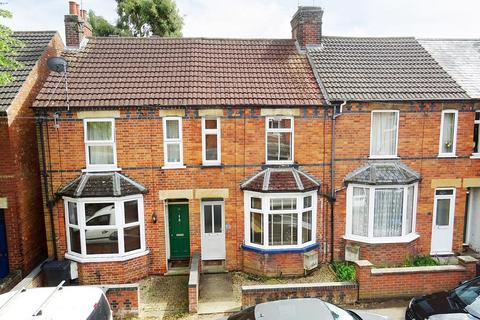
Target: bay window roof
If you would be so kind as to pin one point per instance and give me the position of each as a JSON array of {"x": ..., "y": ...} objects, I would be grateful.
[
  {"x": 281, "y": 179},
  {"x": 104, "y": 184},
  {"x": 383, "y": 173}
]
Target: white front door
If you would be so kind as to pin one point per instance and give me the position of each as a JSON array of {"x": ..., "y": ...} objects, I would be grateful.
[
  {"x": 473, "y": 223},
  {"x": 442, "y": 224},
  {"x": 213, "y": 230}
]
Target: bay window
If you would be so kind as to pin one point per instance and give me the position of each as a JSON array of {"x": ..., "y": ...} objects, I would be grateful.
[
  {"x": 99, "y": 136},
  {"x": 384, "y": 134},
  {"x": 448, "y": 133},
  {"x": 211, "y": 147},
  {"x": 280, "y": 220},
  {"x": 172, "y": 142},
  {"x": 381, "y": 213},
  {"x": 103, "y": 228},
  {"x": 279, "y": 139}
]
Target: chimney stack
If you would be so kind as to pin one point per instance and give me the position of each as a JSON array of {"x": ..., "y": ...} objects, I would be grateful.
[
  {"x": 307, "y": 26},
  {"x": 76, "y": 25}
]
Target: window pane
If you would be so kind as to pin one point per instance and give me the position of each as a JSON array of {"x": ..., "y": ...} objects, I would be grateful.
[
  {"x": 384, "y": 133},
  {"x": 360, "y": 211},
  {"x": 100, "y": 214},
  {"x": 256, "y": 203},
  {"x": 443, "y": 212},
  {"x": 275, "y": 229},
  {"x": 211, "y": 147},
  {"x": 256, "y": 228},
  {"x": 272, "y": 146},
  {"x": 307, "y": 202},
  {"x": 207, "y": 218},
  {"x": 289, "y": 203},
  {"x": 476, "y": 141},
  {"x": 290, "y": 225},
  {"x": 286, "y": 146},
  {"x": 210, "y": 123},
  {"x": 101, "y": 241},
  {"x": 283, "y": 229},
  {"x": 217, "y": 218},
  {"x": 131, "y": 211},
  {"x": 410, "y": 204},
  {"x": 280, "y": 123},
  {"x": 173, "y": 152},
  {"x": 173, "y": 131},
  {"x": 444, "y": 192},
  {"x": 72, "y": 213},
  {"x": 131, "y": 238},
  {"x": 448, "y": 132},
  {"x": 75, "y": 240},
  {"x": 307, "y": 226},
  {"x": 275, "y": 204},
  {"x": 100, "y": 154},
  {"x": 99, "y": 131},
  {"x": 388, "y": 209}
]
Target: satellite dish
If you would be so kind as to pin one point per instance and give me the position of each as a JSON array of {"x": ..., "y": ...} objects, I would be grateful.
[{"x": 57, "y": 64}]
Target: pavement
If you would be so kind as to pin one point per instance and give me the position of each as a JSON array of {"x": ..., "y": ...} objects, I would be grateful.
[{"x": 391, "y": 313}]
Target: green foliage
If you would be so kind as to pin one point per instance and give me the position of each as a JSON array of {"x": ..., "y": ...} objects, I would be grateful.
[
  {"x": 420, "y": 261},
  {"x": 344, "y": 271},
  {"x": 8, "y": 46},
  {"x": 149, "y": 17},
  {"x": 102, "y": 28}
]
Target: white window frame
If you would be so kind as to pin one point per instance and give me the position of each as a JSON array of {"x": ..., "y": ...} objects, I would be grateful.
[
  {"x": 394, "y": 156},
  {"x": 454, "y": 147},
  {"x": 266, "y": 212},
  {"x": 371, "y": 205},
  {"x": 111, "y": 142},
  {"x": 216, "y": 132},
  {"x": 172, "y": 165},
  {"x": 290, "y": 130},
  {"x": 119, "y": 226},
  {"x": 476, "y": 123}
]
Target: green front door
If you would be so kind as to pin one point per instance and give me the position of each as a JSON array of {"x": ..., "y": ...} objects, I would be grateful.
[{"x": 179, "y": 231}]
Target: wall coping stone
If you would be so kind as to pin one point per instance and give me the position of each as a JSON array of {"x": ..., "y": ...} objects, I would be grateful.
[
  {"x": 467, "y": 259},
  {"x": 380, "y": 271},
  {"x": 363, "y": 263},
  {"x": 193, "y": 279},
  {"x": 290, "y": 286}
]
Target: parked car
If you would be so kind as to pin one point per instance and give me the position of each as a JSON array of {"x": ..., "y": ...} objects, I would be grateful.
[
  {"x": 103, "y": 217},
  {"x": 301, "y": 309},
  {"x": 460, "y": 303},
  {"x": 73, "y": 303}
]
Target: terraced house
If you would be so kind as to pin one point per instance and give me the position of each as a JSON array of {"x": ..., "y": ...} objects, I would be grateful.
[{"x": 266, "y": 156}]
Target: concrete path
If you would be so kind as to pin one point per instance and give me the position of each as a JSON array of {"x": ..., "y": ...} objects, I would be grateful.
[
  {"x": 216, "y": 294},
  {"x": 391, "y": 313}
]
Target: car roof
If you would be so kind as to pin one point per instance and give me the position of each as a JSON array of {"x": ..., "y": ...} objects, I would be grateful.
[
  {"x": 298, "y": 309},
  {"x": 66, "y": 303}
]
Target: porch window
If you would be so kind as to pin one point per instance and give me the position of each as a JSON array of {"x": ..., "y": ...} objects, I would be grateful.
[
  {"x": 100, "y": 144},
  {"x": 476, "y": 138},
  {"x": 280, "y": 221},
  {"x": 172, "y": 142},
  {"x": 384, "y": 134},
  {"x": 211, "y": 150},
  {"x": 279, "y": 139},
  {"x": 104, "y": 228},
  {"x": 448, "y": 133},
  {"x": 381, "y": 213}
]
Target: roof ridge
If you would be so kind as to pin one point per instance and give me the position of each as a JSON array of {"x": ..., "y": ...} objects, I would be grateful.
[
  {"x": 196, "y": 38},
  {"x": 448, "y": 39},
  {"x": 370, "y": 37}
]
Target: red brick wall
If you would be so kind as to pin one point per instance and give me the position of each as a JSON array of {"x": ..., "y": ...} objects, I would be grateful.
[
  {"x": 384, "y": 254},
  {"x": 123, "y": 301}
]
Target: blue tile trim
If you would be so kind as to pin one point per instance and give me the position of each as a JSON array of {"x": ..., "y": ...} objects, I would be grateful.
[{"x": 268, "y": 251}]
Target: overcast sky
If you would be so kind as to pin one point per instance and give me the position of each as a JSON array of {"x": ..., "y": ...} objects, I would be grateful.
[{"x": 271, "y": 18}]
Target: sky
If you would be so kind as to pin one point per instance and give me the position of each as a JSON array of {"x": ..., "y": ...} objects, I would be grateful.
[{"x": 271, "y": 18}]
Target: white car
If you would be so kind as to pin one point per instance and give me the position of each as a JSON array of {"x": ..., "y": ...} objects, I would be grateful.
[
  {"x": 60, "y": 303},
  {"x": 103, "y": 217}
]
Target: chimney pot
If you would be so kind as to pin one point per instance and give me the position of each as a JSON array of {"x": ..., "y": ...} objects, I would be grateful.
[
  {"x": 307, "y": 26},
  {"x": 72, "y": 8},
  {"x": 78, "y": 9},
  {"x": 83, "y": 14}
]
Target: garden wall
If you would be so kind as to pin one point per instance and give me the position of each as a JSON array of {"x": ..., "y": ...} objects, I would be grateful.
[
  {"x": 123, "y": 299},
  {"x": 383, "y": 283},
  {"x": 194, "y": 283}
]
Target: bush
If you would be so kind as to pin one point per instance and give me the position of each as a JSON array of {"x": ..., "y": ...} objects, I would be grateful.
[
  {"x": 420, "y": 261},
  {"x": 344, "y": 271}
]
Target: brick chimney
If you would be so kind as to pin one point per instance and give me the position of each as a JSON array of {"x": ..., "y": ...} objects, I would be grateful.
[
  {"x": 307, "y": 26},
  {"x": 76, "y": 25}
]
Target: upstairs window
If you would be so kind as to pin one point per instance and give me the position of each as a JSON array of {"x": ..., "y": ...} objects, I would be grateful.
[
  {"x": 100, "y": 144},
  {"x": 448, "y": 133},
  {"x": 476, "y": 141},
  {"x": 172, "y": 142},
  {"x": 384, "y": 134},
  {"x": 279, "y": 145},
  {"x": 211, "y": 150}
]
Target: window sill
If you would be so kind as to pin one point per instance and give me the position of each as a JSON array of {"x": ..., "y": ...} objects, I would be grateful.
[
  {"x": 406, "y": 239},
  {"x": 278, "y": 162},
  {"x": 102, "y": 169},
  {"x": 288, "y": 249},
  {"x": 212, "y": 165},
  {"x": 447, "y": 156},
  {"x": 383, "y": 157},
  {"x": 170, "y": 167},
  {"x": 106, "y": 258},
  {"x": 475, "y": 156}
]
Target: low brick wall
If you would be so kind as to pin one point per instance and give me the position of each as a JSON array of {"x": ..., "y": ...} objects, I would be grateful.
[
  {"x": 383, "y": 283},
  {"x": 194, "y": 283},
  {"x": 384, "y": 253},
  {"x": 336, "y": 292},
  {"x": 123, "y": 299}
]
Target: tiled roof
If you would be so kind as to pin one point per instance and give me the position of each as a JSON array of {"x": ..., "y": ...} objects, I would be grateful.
[
  {"x": 383, "y": 172},
  {"x": 460, "y": 58},
  {"x": 281, "y": 180},
  {"x": 105, "y": 184},
  {"x": 34, "y": 44},
  {"x": 381, "y": 69},
  {"x": 120, "y": 72}
]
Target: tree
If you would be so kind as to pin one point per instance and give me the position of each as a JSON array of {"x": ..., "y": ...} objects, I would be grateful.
[
  {"x": 8, "y": 47},
  {"x": 102, "y": 28},
  {"x": 149, "y": 17}
]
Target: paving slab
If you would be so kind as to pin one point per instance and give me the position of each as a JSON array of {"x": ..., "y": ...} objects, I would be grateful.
[{"x": 216, "y": 294}]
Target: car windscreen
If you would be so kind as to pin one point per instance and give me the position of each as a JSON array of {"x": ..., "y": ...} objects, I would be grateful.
[
  {"x": 101, "y": 310},
  {"x": 247, "y": 314},
  {"x": 469, "y": 295}
]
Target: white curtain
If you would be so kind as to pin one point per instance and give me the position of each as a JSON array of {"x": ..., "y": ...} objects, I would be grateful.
[
  {"x": 360, "y": 211},
  {"x": 409, "y": 217},
  {"x": 101, "y": 154},
  {"x": 384, "y": 133},
  {"x": 99, "y": 131},
  {"x": 388, "y": 213},
  {"x": 448, "y": 132}
]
